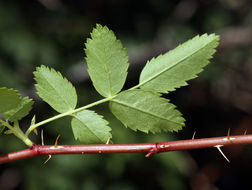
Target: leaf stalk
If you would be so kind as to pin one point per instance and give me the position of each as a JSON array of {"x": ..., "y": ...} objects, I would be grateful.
[
  {"x": 17, "y": 132},
  {"x": 69, "y": 113}
]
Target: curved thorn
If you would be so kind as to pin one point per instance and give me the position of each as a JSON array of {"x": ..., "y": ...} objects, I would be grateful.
[
  {"x": 228, "y": 134},
  {"x": 149, "y": 154},
  {"x": 194, "y": 133},
  {"x": 245, "y": 132},
  {"x": 42, "y": 137},
  {"x": 49, "y": 158},
  {"x": 108, "y": 140},
  {"x": 219, "y": 149},
  {"x": 56, "y": 141}
]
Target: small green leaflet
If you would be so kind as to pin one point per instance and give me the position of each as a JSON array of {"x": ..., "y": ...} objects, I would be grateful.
[
  {"x": 2, "y": 127},
  {"x": 146, "y": 111},
  {"x": 9, "y": 99},
  {"x": 33, "y": 121},
  {"x": 8, "y": 132},
  {"x": 107, "y": 61},
  {"x": 23, "y": 109},
  {"x": 90, "y": 127},
  {"x": 171, "y": 70},
  {"x": 57, "y": 91}
]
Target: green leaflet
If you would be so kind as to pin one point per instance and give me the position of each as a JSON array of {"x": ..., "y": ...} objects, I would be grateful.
[
  {"x": 107, "y": 61},
  {"x": 23, "y": 109},
  {"x": 146, "y": 111},
  {"x": 57, "y": 91},
  {"x": 33, "y": 121},
  {"x": 173, "y": 69},
  {"x": 2, "y": 127},
  {"x": 9, "y": 99},
  {"x": 8, "y": 132},
  {"x": 89, "y": 127}
]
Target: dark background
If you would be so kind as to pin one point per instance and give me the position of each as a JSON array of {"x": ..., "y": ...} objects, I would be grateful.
[{"x": 53, "y": 32}]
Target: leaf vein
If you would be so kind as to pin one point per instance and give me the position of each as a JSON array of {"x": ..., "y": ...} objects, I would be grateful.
[
  {"x": 148, "y": 113},
  {"x": 76, "y": 117},
  {"x": 55, "y": 89},
  {"x": 176, "y": 63}
]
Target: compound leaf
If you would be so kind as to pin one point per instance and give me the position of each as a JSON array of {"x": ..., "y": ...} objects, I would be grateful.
[
  {"x": 23, "y": 109},
  {"x": 89, "y": 127},
  {"x": 57, "y": 91},
  {"x": 174, "y": 68},
  {"x": 146, "y": 111},
  {"x": 9, "y": 99},
  {"x": 107, "y": 61}
]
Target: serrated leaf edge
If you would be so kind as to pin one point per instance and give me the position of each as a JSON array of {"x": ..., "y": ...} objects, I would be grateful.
[
  {"x": 27, "y": 112},
  {"x": 181, "y": 60},
  {"x": 61, "y": 76},
  {"x": 106, "y": 123},
  {"x": 89, "y": 40},
  {"x": 158, "y": 95},
  {"x": 16, "y": 92}
]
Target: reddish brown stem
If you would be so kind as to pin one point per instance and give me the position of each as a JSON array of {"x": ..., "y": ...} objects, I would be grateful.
[{"x": 149, "y": 148}]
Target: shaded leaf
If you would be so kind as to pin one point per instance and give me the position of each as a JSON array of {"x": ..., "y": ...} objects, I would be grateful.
[
  {"x": 146, "y": 111},
  {"x": 23, "y": 109},
  {"x": 173, "y": 69},
  {"x": 9, "y": 99},
  {"x": 107, "y": 61},
  {"x": 89, "y": 127},
  {"x": 57, "y": 91}
]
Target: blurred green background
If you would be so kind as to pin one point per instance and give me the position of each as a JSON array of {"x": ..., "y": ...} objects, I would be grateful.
[{"x": 53, "y": 32}]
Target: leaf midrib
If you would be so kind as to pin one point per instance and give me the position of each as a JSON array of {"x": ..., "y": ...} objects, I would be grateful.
[
  {"x": 148, "y": 113},
  {"x": 107, "y": 71},
  {"x": 59, "y": 94},
  {"x": 76, "y": 117}
]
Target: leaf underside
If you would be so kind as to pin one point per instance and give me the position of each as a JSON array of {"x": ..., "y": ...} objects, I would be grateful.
[
  {"x": 90, "y": 128},
  {"x": 57, "y": 91},
  {"x": 146, "y": 111},
  {"x": 107, "y": 61},
  {"x": 171, "y": 70},
  {"x": 23, "y": 109},
  {"x": 9, "y": 99}
]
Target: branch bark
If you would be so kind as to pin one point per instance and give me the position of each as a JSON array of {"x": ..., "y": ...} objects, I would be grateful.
[{"x": 148, "y": 148}]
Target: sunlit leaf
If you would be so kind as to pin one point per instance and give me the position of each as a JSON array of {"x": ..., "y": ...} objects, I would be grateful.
[
  {"x": 171, "y": 70},
  {"x": 107, "y": 61},
  {"x": 57, "y": 91}
]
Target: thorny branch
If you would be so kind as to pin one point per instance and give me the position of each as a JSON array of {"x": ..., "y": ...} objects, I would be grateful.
[{"x": 148, "y": 148}]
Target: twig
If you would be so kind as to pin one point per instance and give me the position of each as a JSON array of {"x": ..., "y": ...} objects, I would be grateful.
[{"x": 149, "y": 148}]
